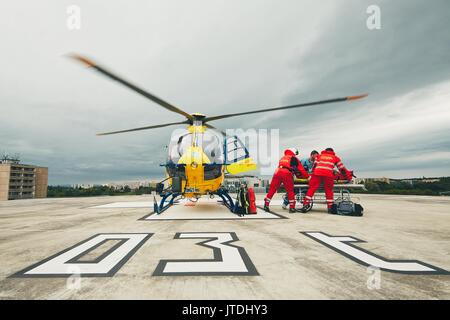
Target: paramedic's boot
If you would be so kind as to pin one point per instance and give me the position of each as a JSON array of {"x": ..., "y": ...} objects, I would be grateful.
[
  {"x": 285, "y": 202},
  {"x": 266, "y": 204},
  {"x": 306, "y": 208},
  {"x": 332, "y": 209},
  {"x": 292, "y": 206}
]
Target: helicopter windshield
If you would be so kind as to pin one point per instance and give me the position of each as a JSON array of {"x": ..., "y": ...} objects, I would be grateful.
[{"x": 210, "y": 141}]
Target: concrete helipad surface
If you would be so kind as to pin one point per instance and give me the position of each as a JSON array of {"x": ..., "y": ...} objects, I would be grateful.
[
  {"x": 202, "y": 209},
  {"x": 101, "y": 248}
]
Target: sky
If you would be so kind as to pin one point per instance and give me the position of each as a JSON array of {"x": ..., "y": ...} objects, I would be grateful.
[{"x": 217, "y": 57}]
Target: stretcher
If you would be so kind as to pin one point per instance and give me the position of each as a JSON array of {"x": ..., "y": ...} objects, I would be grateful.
[{"x": 341, "y": 190}]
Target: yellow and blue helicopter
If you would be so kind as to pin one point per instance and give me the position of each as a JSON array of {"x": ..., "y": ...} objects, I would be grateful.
[{"x": 199, "y": 155}]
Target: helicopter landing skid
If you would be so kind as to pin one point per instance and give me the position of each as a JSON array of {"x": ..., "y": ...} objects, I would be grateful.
[
  {"x": 226, "y": 199},
  {"x": 169, "y": 199},
  {"x": 161, "y": 207}
]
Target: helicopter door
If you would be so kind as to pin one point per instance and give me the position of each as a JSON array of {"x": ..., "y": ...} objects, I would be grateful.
[{"x": 237, "y": 157}]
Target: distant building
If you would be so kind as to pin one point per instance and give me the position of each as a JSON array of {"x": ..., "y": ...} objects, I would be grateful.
[
  {"x": 258, "y": 184},
  {"x": 410, "y": 181},
  {"x": 431, "y": 180},
  {"x": 133, "y": 185},
  {"x": 364, "y": 180},
  {"x": 22, "y": 181},
  {"x": 413, "y": 181},
  {"x": 85, "y": 186}
]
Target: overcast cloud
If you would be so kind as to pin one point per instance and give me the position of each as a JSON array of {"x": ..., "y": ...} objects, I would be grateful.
[{"x": 218, "y": 57}]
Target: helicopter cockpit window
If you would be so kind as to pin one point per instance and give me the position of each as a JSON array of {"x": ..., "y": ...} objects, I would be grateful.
[
  {"x": 235, "y": 150},
  {"x": 179, "y": 142},
  {"x": 209, "y": 141},
  {"x": 213, "y": 148},
  {"x": 212, "y": 145}
]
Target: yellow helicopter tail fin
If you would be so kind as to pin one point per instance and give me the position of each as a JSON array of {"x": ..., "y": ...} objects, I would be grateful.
[{"x": 241, "y": 166}]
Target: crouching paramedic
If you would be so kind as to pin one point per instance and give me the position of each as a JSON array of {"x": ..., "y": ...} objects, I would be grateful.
[
  {"x": 307, "y": 164},
  {"x": 323, "y": 172},
  {"x": 288, "y": 166}
]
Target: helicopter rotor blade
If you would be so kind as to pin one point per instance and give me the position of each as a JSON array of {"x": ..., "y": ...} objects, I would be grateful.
[
  {"x": 315, "y": 103},
  {"x": 145, "y": 128},
  {"x": 214, "y": 128},
  {"x": 129, "y": 85}
]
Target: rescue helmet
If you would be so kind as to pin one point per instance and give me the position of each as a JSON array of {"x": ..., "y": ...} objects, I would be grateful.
[{"x": 294, "y": 150}]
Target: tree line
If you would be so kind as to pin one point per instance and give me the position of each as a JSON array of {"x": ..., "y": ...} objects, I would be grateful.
[
  {"x": 437, "y": 188},
  {"x": 441, "y": 187},
  {"x": 67, "y": 191}
]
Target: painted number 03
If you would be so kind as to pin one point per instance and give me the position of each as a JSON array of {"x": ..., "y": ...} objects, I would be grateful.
[{"x": 104, "y": 254}]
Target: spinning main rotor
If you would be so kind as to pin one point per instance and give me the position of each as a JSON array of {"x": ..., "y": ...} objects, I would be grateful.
[{"x": 194, "y": 118}]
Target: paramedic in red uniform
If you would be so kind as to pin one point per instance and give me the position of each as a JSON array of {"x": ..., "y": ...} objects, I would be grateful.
[
  {"x": 323, "y": 172},
  {"x": 288, "y": 166}
]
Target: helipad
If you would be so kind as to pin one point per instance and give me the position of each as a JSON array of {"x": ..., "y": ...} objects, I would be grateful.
[
  {"x": 202, "y": 209},
  {"x": 112, "y": 248}
]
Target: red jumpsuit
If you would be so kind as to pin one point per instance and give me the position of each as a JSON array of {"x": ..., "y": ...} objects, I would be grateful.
[
  {"x": 323, "y": 173},
  {"x": 288, "y": 165}
]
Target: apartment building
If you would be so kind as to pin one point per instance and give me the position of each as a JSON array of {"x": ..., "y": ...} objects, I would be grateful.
[{"x": 22, "y": 181}]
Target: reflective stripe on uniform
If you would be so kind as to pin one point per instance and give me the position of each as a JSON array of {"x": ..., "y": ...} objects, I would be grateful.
[
  {"x": 327, "y": 168},
  {"x": 325, "y": 162}
]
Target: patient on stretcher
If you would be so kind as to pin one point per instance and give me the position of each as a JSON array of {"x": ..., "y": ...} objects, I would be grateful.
[{"x": 339, "y": 178}]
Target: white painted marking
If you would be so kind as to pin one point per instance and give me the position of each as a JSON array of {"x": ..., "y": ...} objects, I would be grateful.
[
  {"x": 131, "y": 204},
  {"x": 207, "y": 209},
  {"x": 149, "y": 204},
  {"x": 231, "y": 262},
  {"x": 339, "y": 243},
  {"x": 204, "y": 209},
  {"x": 59, "y": 266}
]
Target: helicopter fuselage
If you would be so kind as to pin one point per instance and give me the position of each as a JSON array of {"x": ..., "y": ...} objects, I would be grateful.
[{"x": 198, "y": 164}]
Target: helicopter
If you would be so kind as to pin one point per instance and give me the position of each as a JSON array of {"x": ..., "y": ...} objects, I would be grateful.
[{"x": 200, "y": 155}]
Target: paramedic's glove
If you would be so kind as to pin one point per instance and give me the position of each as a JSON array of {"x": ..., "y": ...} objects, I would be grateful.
[{"x": 309, "y": 178}]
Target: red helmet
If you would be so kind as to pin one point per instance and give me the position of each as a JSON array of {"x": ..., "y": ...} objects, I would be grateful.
[{"x": 293, "y": 150}]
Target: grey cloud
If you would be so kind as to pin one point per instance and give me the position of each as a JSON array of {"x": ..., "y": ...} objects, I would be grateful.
[{"x": 216, "y": 57}]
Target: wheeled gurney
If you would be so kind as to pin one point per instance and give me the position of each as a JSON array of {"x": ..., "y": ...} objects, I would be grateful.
[{"x": 341, "y": 192}]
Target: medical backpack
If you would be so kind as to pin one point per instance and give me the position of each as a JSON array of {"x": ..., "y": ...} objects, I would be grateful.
[
  {"x": 245, "y": 201},
  {"x": 347, "y": 208}
]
